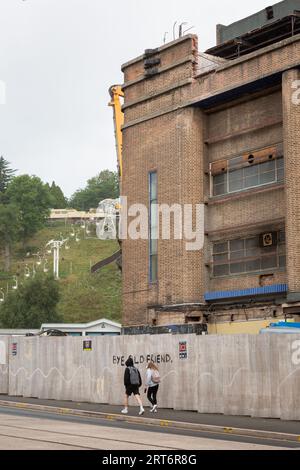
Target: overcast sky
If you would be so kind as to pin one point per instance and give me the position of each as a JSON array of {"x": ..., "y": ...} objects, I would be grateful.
[{"x": 58, "y": 59}]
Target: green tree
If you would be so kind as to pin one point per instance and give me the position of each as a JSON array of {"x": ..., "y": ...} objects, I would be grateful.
[
  {"x": 10, "y": 227},
  {"x": 103, "y": 186},
  {"x": 33, "y": 200},
  {"x": 9, "y": 214},
  {"x": 34, "y": 303},
  {"x": 6, "y": 174},
  {"x": 59, "y": 200}
]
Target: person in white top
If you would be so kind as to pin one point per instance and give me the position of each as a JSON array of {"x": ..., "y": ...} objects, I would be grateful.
[{"x": 152, "y": 384}]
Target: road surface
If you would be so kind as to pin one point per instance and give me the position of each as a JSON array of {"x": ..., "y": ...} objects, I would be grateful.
[{"x": 30, "y": 430}]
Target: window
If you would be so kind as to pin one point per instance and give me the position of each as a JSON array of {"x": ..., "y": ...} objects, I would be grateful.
[
  {"x": 245, "y": 255},
  {"x": 270, "y": 13},
  {"x": 250, "y": 176},
  {"x": 153, "y": 228}
]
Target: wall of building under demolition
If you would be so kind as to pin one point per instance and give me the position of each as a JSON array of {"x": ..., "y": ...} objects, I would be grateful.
[
  {"x": 256, "y": 375},
  {"x": 164, "y": 132},
  {"x": 235, "y": 130},
  {"x": 170, "y": 145}
]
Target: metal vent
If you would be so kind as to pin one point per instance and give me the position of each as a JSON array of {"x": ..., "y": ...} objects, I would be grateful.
[{"x": 268, "y": 239}]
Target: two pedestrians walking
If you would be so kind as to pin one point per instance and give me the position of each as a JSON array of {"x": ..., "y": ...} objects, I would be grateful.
[{"x": 133, "y": 382}]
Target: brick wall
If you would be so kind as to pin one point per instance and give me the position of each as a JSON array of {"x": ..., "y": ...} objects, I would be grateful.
[
  {"x": 173, "y": 146},
  {"x": 164, "y": 133},
  {"x": 236, "y": 73},
  {"x": 291, "y": 131}
]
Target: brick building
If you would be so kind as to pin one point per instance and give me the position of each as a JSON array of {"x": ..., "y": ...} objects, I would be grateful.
[{"x": 219, "y": 128}]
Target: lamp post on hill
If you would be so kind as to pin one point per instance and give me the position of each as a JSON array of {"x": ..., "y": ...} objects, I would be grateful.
[
  {"x": 55, "y": 245},
  {"x": 16, "y": 285}
]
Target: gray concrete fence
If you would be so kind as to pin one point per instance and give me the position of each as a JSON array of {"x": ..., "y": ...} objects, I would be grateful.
[
  {"x": 235, "y": 375},
  {"x": 4, "y": 364}
]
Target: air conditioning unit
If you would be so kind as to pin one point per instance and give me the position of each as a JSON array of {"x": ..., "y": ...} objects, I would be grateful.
[{"x": 268, "y": 239}]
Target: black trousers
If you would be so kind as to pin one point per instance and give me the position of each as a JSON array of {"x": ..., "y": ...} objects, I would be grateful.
[{"x": 151, "y": 394}]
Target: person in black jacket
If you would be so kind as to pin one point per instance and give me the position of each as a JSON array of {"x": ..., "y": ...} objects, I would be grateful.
[{"x": 132, "y": 382}]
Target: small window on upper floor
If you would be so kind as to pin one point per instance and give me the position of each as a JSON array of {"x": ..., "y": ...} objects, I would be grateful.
[{"x": 270, "y": 13}]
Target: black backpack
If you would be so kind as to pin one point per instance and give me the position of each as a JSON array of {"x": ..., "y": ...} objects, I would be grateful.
[{"x": 134, "y": 376}]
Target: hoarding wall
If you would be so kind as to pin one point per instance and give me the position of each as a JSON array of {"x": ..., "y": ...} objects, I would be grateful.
[{"x": 235, "y": 375}]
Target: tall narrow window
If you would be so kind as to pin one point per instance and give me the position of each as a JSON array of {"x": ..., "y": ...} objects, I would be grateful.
[{"x": 153, "y": 227}]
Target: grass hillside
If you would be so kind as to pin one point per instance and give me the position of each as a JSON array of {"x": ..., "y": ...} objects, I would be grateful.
[{"x": 84, "y": 296}]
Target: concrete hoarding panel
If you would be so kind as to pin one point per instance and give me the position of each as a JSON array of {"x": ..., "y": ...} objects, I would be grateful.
[
  {"x": 236, "y": 375},
  {"x": 3, "y": 364},
  {"x": 264, "y": 373},
  {"x": 100, "y": 371},
  {"x": 28, "y": 354},
  {"x": 185, "y": 365},
  {"x": 17, "y": 367},
  {"x": 210, "y": 375},
  {"x": 80, "y": 360},
  {"x": 289, "y": 376}
]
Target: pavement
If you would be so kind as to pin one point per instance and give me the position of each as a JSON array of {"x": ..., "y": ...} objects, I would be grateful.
[{"x": 173, "y": 419}]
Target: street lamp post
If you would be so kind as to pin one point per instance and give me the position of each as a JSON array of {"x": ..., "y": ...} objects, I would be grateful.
[
  {"x": 27, "y": 271},
  {"x": 45, "y": 269},
  {"x": 39, "y": 261},
  {"x": 55, "y": 246},
  {"x": 15, "y": 279}
]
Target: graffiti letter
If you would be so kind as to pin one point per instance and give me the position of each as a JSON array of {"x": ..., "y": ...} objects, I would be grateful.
[{"x": 296, "y": 353}]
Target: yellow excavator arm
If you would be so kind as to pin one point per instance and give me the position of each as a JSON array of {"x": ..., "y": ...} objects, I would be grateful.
[{"x": 116, "y": 93}]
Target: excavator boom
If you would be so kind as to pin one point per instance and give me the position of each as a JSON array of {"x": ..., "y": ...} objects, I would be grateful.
[{"x": 116, "y": 93}]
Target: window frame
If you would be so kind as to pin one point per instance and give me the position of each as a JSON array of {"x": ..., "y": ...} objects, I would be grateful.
[
  {"x": 278, "y": 168},
  {"x": 262, "y": 255}
]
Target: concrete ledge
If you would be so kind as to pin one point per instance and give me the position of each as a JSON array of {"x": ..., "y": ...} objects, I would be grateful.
[
  {"x": 293, "y": 297},
  {"x": 182, "y": 83},
  {"x": 166, "y": 68},
  {"x": 279, "y": 436}
]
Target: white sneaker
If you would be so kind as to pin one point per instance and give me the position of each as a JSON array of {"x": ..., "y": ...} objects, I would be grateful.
[
  {"x": 142, "y": 411},
  {"x": 125, "y": 411},
  {"x": 154, "y": 409}
]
